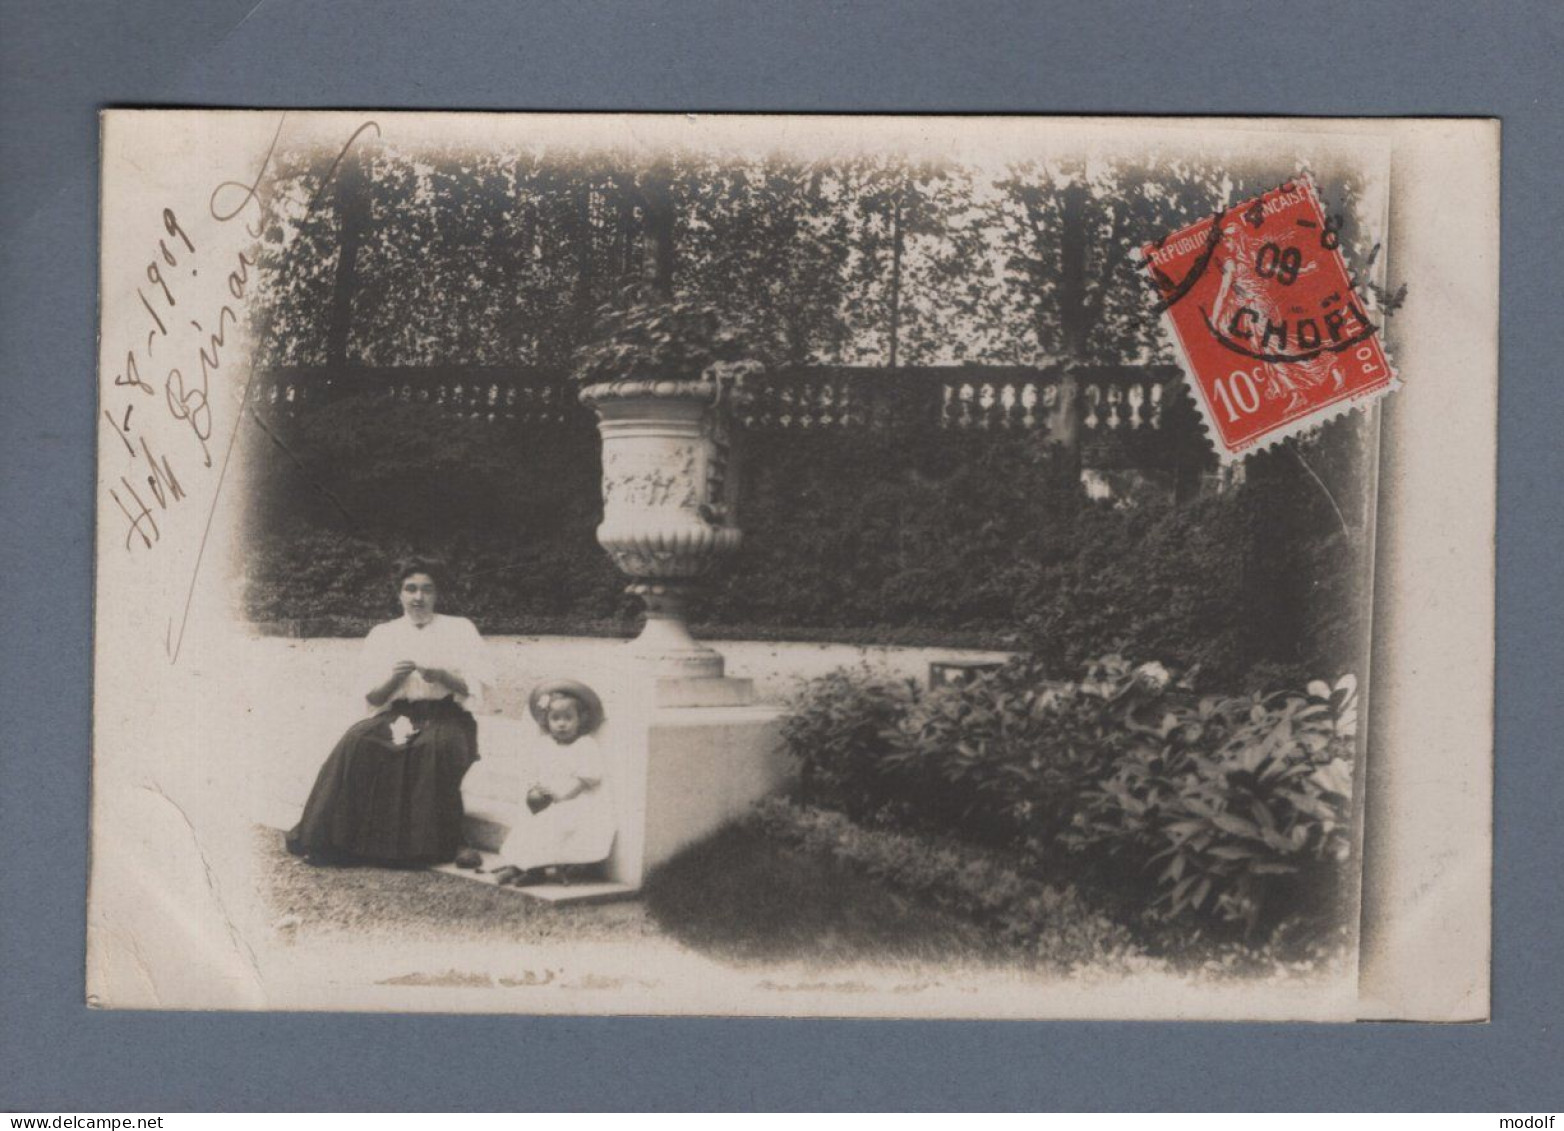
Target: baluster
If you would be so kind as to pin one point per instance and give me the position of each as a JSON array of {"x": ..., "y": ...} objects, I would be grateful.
[
  {"x": 1007, "y": 405},
  {"x": 1137, "y": 401},
  {"x": 986, "y": 401},
  {"x": 1156, "y": 405},
  {"x": 1091, "y": 395},
  {"x": 1029, "y": 406},
  {"x": 968, "y": 410}
]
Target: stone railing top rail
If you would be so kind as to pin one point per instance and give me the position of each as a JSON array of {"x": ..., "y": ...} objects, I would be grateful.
[{"x": 1109, "y": 398}]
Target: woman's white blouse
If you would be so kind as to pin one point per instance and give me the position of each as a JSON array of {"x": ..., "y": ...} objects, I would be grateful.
[{"x": 451, "y": 643}]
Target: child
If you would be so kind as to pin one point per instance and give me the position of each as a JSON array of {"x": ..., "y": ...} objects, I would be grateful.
[{"x": 568, "y": 819}]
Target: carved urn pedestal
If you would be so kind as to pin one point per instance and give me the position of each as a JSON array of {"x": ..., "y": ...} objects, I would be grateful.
[
  {"x": 670, "y": 494},
  {"x": 699, "y": 750}
]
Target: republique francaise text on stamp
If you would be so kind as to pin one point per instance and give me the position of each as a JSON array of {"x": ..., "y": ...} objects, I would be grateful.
[{"x": 1262, "y": 309}]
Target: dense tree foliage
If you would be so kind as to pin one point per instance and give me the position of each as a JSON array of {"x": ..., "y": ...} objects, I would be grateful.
[
  {"x": 497, "y": 258},
  {"x": 505, "y": 259}
]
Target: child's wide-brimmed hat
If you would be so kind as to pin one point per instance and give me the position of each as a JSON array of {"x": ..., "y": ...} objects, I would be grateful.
[{"x": 543, "y": 694}]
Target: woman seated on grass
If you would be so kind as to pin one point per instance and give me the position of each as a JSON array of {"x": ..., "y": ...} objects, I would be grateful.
[{"x": 391, "y": 791}]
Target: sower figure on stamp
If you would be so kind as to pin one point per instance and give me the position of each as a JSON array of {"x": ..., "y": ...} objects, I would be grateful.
[{"x": 567, "y": 823}]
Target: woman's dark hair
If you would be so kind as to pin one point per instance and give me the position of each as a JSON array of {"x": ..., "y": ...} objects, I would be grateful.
[{"x": 434, "y": 567}]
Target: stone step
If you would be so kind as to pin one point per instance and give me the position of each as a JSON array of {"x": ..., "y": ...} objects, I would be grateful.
[
  {"x": 596, "y": 891},
  {"x": 603, "y": 891}
]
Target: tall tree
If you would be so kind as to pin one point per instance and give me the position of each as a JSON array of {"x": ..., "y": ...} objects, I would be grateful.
[{"x": 654, "y": 187}]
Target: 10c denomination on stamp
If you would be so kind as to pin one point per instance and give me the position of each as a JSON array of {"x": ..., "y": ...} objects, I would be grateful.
[{"x": 1260, "y": 304}]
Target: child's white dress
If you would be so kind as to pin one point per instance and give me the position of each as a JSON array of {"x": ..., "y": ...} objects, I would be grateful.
[{"x": 577, "y": 831}]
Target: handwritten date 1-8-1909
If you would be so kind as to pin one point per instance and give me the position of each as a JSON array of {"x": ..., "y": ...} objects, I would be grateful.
[{"x": 186, "y": 384}]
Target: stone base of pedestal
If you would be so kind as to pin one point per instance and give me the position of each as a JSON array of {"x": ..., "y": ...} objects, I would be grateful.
[
  {"x": 679, "y": 772},
  {"x": 723, "y": 692},
  {"x": 704, "y": 766}
]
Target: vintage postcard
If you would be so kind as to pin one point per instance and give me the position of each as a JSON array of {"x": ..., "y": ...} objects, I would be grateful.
[{"x": 851, "y": 566}]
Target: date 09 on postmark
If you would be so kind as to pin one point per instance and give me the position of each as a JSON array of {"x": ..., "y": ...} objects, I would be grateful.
[{"x": 1258, "y": 301}]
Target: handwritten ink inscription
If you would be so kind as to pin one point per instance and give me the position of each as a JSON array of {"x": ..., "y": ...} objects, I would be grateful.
[
  {"x": 186, "y": 363},
  {"x": 162, "y": 403}
]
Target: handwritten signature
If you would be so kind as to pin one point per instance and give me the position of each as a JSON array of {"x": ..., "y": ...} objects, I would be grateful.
[{"x": 184, "y": 366}]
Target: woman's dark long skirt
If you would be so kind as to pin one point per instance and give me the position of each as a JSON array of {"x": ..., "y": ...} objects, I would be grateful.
[{"x": 380, "y": 802}]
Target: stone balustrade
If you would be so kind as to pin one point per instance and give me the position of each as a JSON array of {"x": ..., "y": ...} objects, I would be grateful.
[{"x": 1107, "y": 401}]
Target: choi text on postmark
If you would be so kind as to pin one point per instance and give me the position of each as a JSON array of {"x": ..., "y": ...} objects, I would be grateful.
[{"x": 1260, "y": 305}]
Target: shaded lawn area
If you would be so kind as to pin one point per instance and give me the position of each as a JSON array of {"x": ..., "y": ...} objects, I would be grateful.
[
  {"x": 419, "y": 904},
  {"x": 743, "y": 897},
  {"x": 738, "y": 897}
]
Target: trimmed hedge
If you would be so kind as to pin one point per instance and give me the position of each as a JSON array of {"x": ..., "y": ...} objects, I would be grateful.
[{"x": 938, "y": 537}]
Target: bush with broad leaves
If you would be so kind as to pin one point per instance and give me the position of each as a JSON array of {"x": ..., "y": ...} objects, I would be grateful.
[
  {"x": 1232, "y": 810},
  {"x": 1241, "y": 805}
]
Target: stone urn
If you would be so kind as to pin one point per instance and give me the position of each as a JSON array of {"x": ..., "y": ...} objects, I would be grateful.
[{"x": 670, "y": 489}]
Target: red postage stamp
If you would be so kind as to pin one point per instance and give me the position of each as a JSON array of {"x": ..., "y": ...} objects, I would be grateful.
[{"x": 1259, "y": 302}]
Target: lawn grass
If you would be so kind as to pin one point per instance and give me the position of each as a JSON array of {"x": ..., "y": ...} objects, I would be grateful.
[
  {"x": 737, "y": 896},
  {"x": 416, "y": 904},
  {"x": 744, "y": 897}
]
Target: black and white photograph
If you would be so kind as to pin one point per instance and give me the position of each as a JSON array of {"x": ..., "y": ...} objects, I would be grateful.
[{"x": 884, "y": 567}]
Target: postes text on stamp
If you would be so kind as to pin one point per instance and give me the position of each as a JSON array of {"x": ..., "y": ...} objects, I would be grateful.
[{"x": 1261, "y": 307}]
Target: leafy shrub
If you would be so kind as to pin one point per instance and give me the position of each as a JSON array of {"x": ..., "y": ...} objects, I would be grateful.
[
  {"x": 316, "y": 574},
  {"x": 640, "y": 333},
  {"x": 1053, "y": 923},
  {"x": 1002, "y": 759},
  {"x": 1005, "y": 757},
  {"x": 1240, "y": 806},
  {"x": 331, "y": 583},
  {"x": 841, "y": 727},
  {"x": 1259, "y": 581},
  {"x": 1243, "y": 803}
]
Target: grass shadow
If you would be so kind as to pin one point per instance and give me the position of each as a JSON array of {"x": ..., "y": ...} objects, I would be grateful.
[{"x": 743, "y": 897}]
